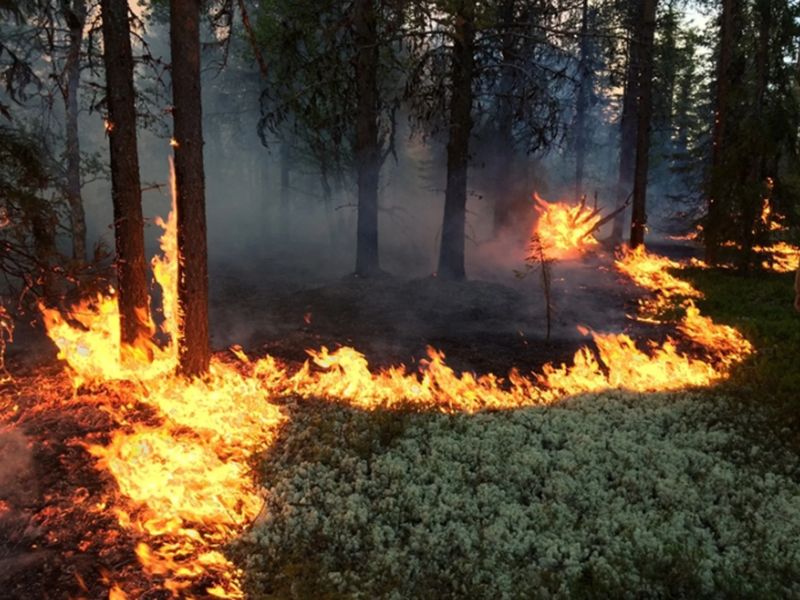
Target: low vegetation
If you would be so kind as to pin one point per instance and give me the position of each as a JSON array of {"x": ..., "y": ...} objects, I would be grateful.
[
  {"x": 604, "y": 495},
  {"x": 760, "y": 306}
]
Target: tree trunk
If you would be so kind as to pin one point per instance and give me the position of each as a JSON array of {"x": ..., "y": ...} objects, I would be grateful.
[
  {"x": 715, "y": 208},
  {"x": 669, "y": 49},
  {"x": 756, "y": 172},
  {"x": 75, "y": 16},
  {"x": 367, "y": 146},
  {"x": 582, "y": 101},
  {"x": 126, "y": 189},
  {"x": 627, "y": 142},
  {"x": 451, "y": 256},
  {"x": 187, "y": 115},
  {"x": 503, "y": 150},
  {"x": 285, "y": 192},
  {"x": 647, "y": 31}
]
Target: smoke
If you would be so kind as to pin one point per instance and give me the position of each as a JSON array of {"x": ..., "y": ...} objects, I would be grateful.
[
  {"x": 16, "y": 467},
  {"x": 282, "y": 246}
]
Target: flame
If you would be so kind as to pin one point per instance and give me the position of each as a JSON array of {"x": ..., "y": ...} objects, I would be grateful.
[
  {"x": 783, "y": 257},
  {"x": 653, "y": 273},
  {"x": 766, "y": 211},
  {"x": 565, "y": 231},
  {"x": 721, "y": 342},
  {"x": 726, "y": 343},
  {"x": 6, "y": 337},
  {"x": 184, "y": 481}
]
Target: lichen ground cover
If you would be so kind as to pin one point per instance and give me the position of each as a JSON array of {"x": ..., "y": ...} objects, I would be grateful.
[{"x": 606, "y": 495}]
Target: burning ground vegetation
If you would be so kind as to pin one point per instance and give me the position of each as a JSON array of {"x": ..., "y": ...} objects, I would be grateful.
[{"x": 615, "y": 473}]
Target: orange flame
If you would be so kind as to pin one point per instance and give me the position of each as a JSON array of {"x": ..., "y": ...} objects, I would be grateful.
[
  {"x": 783, "y": 257},
  {"x": 565, "y": 231}
]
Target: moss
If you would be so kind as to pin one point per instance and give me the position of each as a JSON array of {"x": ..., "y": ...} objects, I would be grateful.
[{"x": 760, "y": 306}]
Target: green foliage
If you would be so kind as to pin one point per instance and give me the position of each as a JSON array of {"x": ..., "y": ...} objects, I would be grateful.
[
  {"x": 310, "y": 97},
  {"x": 761, "y": 122},
  {"x": 27, "y": 219},
  {"x": 760, "y": 306}
]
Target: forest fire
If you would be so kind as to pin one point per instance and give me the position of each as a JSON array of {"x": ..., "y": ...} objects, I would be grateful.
[
  {"x": 781, "y": 257},
  {"x": 652, "y": 272},
  {"x": 409, "y": 411},
  {"x": 183, "y": 479},
  {"x": 565, "y": 231}
]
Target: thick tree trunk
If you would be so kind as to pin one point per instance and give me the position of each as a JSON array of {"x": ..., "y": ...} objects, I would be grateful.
[
  {"x": 715, "y": 208},
  {"x": 367, "y": 147},
  {"x": 75, "y": 16},
  {"x": 126, "y": 189},
  {"x": 627, "y": 142},
  {"x": 582, "y": 101},
  {"x": 451, "y": 256},
  {"x": 756, "y": 172},
  {"x": 647, "y": 31},
  {"x": 503, "y": 150},
  {"x": 187, "y": 115}
]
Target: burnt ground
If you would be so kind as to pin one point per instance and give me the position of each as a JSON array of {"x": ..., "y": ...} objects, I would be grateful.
[
  {"x": 57, "y": 538},
  {"x": 481, "y": 326}
]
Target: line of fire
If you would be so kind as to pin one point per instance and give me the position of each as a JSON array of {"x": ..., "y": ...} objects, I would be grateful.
[{"x": 399, "y": 299}]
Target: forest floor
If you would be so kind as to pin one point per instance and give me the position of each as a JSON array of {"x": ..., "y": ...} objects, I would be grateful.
[{"x": 60, "y": 539}]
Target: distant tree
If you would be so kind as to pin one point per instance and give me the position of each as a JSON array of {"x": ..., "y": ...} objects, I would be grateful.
[
  {"x": 583, "y": 96},
  {"x": 44, "y": 53},
  {"x": 75, "y": 18},
  {"x": 724, "y": 81},
  {"x": 335, "y": 82},
  {"x": 666, "y": 63},
  {"x": 754, "y": 157},
  {"x": 194, "y": 352},
  {"x": 126, "y": 191},
  {"x": 502, "y": 144},
  {"x": 628, "y": 118},
  {"x": 645, "y": 36},
  {"x": 451, "y": 254},
  {"x": 499, "y": 69},
  {"x": 367, "y": 148}
]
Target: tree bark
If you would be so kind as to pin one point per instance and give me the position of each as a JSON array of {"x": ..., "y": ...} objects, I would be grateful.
[
  {"x": 187, "y": 115},
  {"x": 503, "y": 150},
  {"x": 757, "y": 168},
  {"x": 126, "y": 190},
  {"x": 451, "y": 256},
  {"x": 367, "y": 146},
  {"x": 646, "y": 36},
  {"x": 582, "y": 101},
  {"x": 715, "y": 209},
  {"x": 627, "y": 143},
  {"x": 75, "y": 16},
  {"x": 285, "y": 192}
]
